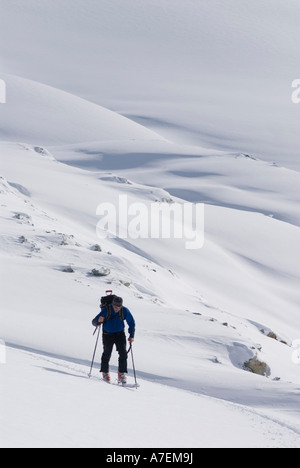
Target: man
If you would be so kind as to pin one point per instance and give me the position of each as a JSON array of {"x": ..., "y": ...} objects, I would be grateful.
[{"x": 112, "y": 317}]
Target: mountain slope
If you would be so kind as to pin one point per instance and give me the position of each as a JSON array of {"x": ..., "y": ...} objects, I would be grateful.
[
  {"x": 211, "y": 73},
  {"x": 198, "y": 73},
  {"x": 200, "y": 314},
  {"x": 45, "y": 115}
]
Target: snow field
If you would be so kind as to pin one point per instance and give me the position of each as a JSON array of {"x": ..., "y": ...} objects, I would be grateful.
[
  {"x": 186, "y": 343},
  {"x": 59, "y": 406}
]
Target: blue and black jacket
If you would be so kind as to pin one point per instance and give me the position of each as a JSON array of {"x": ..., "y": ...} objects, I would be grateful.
[{"x": 115, "y": 322}]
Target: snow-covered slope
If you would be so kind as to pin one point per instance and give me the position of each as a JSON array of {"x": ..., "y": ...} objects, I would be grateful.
[
  {"x": 78, "y": 412},
  {"x": 201, "y": 314},
  {"x": 233, "y": 180},
  {"x": 210, "y": 73},
  {"x": 45, "y": 115}
]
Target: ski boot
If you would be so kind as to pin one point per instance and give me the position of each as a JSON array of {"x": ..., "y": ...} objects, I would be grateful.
[
  {"x": 122, "y": 379},
  {"x": 106, "y": 377}
]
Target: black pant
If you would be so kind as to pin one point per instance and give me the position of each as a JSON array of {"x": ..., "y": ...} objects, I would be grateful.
[{"x": 118, "y": 339}]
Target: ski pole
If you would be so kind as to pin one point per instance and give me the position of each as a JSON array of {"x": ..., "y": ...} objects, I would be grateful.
[
  {"x": 136, "y": 384},
  {"x": 93, "y": 360}
]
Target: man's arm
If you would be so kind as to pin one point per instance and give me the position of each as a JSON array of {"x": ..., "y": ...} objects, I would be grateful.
[
  {"x": 99, "y": 319},
  {"x": 131, "y": 325}
]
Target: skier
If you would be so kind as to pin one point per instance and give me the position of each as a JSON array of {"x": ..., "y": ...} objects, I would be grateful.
[{"x": 112, "y": 317}]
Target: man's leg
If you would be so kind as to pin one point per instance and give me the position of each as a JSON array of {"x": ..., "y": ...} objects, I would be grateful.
[
  {"x": 121, "y": 348},
  {"x": 108, "y": 344}
]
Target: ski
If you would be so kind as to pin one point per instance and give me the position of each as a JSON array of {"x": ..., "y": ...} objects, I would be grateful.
[
  {"x": 128, "y": 385},
  {"x": 118, "y": 384}
]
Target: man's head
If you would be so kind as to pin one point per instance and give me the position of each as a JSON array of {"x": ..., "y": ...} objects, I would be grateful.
[{"x": 117, "y": 302}]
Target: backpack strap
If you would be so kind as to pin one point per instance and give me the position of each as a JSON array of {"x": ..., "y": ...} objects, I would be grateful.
[
  {"x": 108, "y": 315},
  {"x": 121, "y": 313}
]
